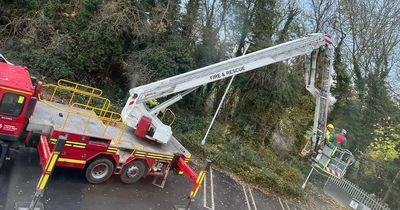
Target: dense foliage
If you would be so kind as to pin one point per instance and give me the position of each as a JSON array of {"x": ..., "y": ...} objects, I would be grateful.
[{"x": 116, "y": 45}]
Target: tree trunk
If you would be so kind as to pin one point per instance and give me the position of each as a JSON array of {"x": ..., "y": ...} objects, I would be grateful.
[{"x": 389, "y": 190}]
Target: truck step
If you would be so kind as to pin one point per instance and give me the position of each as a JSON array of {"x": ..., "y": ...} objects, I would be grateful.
[{"x": 161, "y": 184}]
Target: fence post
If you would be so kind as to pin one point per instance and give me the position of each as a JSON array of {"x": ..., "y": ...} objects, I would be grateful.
[{"x": 354, "y": 192}]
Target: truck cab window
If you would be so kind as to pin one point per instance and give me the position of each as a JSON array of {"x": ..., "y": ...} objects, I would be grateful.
[{"x": 12, "y": 104}]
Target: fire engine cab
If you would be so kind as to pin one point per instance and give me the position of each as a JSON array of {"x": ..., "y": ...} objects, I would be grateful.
[{"x": 18, "y": 100}]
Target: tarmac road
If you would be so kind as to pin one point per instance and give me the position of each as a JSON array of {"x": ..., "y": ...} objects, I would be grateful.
[{"x": 68, "y": 189}]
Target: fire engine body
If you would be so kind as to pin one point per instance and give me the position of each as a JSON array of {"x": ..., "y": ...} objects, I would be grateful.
[
  {"x": 98, "y": 139},
  {"x": 103, "y": 142},
  {"x": 101, "y": 145}
]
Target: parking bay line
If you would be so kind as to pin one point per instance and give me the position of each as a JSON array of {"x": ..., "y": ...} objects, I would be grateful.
[
  {"x": 280, "y": 201},
  {"x": 247, "y": 199},
  {"x": 249, "y": 205},
  {"x": 252, "y": 199},
  {"x": 211, "y": 189},
  {"x": 287, "y": 205}
]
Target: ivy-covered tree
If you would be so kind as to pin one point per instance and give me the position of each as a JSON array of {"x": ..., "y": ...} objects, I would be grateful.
[{"x": 386, "y": 146}]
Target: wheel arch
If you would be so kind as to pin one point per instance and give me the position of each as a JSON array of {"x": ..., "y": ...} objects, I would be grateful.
[
  {"x": 147, "y": 163},
  {"x": 101, "y": 156}
]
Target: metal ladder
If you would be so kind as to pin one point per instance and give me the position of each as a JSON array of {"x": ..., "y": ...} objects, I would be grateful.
[{"x": 164, "y": 179}]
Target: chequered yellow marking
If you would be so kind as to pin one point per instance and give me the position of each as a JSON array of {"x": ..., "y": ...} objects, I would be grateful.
[
  {"x": 111, "y": 151},
  {"x": 52, "y": 162},
  {"x": 43, "y": 182},
  {"x": 68, "y": 160}
]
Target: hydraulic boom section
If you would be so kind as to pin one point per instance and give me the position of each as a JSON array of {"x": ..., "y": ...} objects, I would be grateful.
[
  {"x": 321, "y": 94},
  {"x": 140, "y": 117}
]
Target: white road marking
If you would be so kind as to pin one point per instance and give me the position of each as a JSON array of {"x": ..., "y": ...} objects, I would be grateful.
[
  {"x": 280, "y": 201},
  {"x": 212, "y": 189},
  {"x": 252, "y": 199},
  {"x": 287, "y": 205},
  {"x": 205, "y": 191},
  {"x": 247, "y": 199}
]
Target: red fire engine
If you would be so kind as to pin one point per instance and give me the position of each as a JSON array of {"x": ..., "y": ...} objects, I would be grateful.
[{"x": 136, "y": 144}]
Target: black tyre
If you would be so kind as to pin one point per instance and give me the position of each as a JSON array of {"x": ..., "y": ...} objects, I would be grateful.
[
  {"x": 132, "y": 172},
  {"x": 99, "y": 171}
]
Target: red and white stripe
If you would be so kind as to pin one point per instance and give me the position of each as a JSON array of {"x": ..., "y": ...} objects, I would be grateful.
[
  {"x": 328, "y": 39},
  {"x": 333, "y": 172}
]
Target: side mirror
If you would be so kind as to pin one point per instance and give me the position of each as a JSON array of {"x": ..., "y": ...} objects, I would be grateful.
[{"x": 31, "y": 107}]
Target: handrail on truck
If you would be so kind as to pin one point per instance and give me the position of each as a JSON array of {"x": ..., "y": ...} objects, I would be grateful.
[{"x": 108, "y": 121}]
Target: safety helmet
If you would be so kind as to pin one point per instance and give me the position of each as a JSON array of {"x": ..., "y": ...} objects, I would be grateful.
[
  {"x": 330, "y": 125},
  {"x": 344, "y": 131}
]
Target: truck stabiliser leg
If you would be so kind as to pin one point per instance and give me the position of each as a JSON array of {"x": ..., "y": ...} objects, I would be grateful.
[
  {"x": 197, "y": 180},
  {"x": 47, "y": 171}
]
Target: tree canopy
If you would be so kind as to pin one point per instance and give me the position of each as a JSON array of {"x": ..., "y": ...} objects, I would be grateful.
[{"x": 116, "y": 45}]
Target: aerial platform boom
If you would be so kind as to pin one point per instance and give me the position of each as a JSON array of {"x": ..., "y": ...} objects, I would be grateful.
[{"x": 135, "y": 110}]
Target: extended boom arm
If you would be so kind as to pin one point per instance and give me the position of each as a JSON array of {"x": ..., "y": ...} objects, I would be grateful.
[{"x": 135, "y": 112}]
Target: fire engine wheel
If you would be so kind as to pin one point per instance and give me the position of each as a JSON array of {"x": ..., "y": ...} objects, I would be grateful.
[
  {"x": 99, "y": 171},
  {"x": 133, "y": 172}
]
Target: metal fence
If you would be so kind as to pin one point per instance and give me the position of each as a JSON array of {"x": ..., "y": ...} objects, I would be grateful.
[{"x": 352, "y": 195}]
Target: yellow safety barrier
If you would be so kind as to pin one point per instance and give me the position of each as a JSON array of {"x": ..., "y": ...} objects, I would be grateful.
[
  {"x": 172, "y": 113},
  {"x": 80, "y": 87},
  {"x": 72, "y": 95},
  {"x": 121, "y": 128},
  {"x": 79, "y": 98},
  {"x": 306, "y": 150},
  {"x": 108, "y": 117}
]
